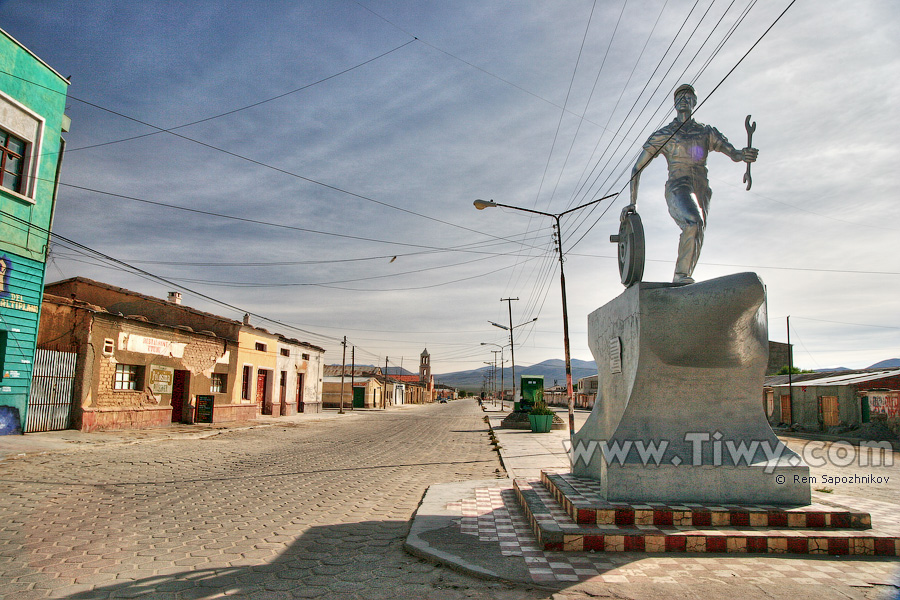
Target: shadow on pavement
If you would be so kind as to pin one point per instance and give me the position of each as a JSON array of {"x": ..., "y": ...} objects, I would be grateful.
[{"x": 350, "y": 560}]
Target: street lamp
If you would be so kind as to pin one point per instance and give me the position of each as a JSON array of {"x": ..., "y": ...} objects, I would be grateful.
[
  {"x": 512, "y": 348},
  {"x": 481, "y": 205}
]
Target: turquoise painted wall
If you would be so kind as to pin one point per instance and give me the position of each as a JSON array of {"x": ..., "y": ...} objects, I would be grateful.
[
  {"x": 20, "y": 301},
  {"x": 27, "y": 87}
]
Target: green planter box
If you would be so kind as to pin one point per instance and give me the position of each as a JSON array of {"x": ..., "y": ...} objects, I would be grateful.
[{"x": 540, "y": 423}]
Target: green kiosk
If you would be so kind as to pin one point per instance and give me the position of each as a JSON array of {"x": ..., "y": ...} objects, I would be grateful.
[{"x": 532, "y": 389}]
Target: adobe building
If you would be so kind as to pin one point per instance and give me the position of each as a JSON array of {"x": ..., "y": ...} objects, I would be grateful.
[{"x": 148, "y": 362}]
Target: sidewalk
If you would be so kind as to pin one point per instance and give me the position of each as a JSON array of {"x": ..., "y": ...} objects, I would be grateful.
[
  {"x": 19, "y": 446},
  {"x": 477, "y": 527}
]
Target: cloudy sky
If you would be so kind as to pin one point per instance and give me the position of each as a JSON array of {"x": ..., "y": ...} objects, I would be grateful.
[{"x": 307, "y": 144}]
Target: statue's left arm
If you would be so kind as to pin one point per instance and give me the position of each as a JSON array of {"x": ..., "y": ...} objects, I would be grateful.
[{"x": 720, "y": 143}]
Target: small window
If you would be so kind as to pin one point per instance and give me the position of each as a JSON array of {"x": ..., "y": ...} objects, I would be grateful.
[
  {"x": 218, "y": 383},
  {"x": 128, "y": 377},
  {"x": 108, "y": 346},
  {"x": 260, "y": 346},
  {"x": 305, "y": 356},
  {"x": 285, "y": 352},
  {"x": 245, "y": 382},
  {"x": 12, "y": 162}
]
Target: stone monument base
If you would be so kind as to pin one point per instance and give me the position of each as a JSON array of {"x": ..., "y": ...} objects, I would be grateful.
[
  {"x": 753, "y": 484},
  {"x": 679, "y": 413}
]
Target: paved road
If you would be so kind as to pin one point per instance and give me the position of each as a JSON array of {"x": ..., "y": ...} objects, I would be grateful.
[{"x": 312, "y": 510}]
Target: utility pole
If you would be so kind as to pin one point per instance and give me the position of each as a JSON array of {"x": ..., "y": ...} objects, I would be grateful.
[
  {"x": 353, "y": 375},
  {"x": 790, "y": 370},
  {"x": 343, "y": 368},
  {"x": 494, "y": 385},
  {"x": 385, "y": 381},
  {"x": 502, "y": 362},
  {"x": 512, "y": 350}
]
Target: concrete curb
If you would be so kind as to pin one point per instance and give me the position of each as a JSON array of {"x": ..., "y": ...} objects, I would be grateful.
[
  {"x": 70, "y": 440},
  {"x": 434, "y": 536}
]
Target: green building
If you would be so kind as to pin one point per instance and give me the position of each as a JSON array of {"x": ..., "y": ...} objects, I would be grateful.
[{"x": 32, "y": 101}]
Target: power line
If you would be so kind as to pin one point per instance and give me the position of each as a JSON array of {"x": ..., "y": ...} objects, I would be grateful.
[
  {"x": 845, "y": 323},
  {"x": 144, "y": 273},
  {"x": 708, "y": 96},
  {"x": 254, "y": 104},
  {"x": 260, "y": 163},
  {"x": 281, "y": 225},
  {"x": 623, "y": 157}
]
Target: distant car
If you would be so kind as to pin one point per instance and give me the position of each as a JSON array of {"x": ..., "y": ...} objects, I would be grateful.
[{"x": 443, "y": 401}]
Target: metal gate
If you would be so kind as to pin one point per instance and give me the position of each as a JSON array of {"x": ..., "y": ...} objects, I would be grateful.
[{"x": 52, "y": 387}]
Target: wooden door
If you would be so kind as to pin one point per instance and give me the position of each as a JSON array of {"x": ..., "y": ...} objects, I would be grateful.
[
  {"x": 179, "y": 388},
  {"x": 299, "y": 392},
  {"x": 282, "y": 393},
  {"x": 831, "y": 416},
  {"x": 786, "y": 409},
  {"x": 261, "y": 379}
]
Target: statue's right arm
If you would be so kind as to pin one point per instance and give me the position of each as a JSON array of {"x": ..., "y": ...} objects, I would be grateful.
[{"x": 643, "y": 160}]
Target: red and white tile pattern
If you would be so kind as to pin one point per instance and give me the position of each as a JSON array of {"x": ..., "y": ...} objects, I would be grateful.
[{"x": 495, "y": 515}]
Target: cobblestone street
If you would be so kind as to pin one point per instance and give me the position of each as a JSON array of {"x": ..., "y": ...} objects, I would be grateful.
[{"x": 312, "y": 510}]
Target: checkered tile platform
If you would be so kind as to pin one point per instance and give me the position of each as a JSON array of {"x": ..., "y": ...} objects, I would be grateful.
[
  {"x": 696, "y": 528},
  {"x": 495, "y": 515},
  {"x": 581, "y": 499}
]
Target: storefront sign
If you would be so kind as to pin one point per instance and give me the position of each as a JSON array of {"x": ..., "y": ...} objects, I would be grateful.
[
  {"x": 161, "y": 379},
  {"x": 204, "y": 409},
  {"x": 148, "y": 345},
  {"x": 8, "y": 299}
]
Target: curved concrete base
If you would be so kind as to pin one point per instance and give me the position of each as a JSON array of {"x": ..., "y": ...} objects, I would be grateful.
[{"x": 679, "y": 414}]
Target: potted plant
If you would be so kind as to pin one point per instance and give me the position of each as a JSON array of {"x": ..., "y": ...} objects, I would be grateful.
[{"x": 540, "y": 417}]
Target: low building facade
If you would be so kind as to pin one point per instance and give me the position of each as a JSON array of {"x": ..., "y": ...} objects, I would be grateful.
[
  {"x": 820, "y": 401},
  {"x": 131, "y": 373},
  {"x": 237, "y": 382},
  {"x": 299, "y": 367}
]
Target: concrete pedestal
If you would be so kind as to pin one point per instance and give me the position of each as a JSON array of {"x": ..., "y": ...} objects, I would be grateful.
[{"x": 679, "y": 414}]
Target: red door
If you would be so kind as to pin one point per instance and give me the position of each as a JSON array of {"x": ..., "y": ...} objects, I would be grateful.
[
  {"x": 179, "y": 389},
  {"x": 261, "y": 379}
]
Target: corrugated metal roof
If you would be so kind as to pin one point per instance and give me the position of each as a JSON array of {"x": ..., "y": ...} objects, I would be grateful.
[{"x": 842, "y": 378}]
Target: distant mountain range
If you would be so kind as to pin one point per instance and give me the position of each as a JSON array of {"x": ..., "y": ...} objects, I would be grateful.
[
  {"x": 553, "y": 371},
  {"x": 887, "y": 364},
  {"x": 890, "y": 363}
]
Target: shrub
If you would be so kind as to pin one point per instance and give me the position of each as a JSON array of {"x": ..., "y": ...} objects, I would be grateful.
[{"x": 540, "y": 408}]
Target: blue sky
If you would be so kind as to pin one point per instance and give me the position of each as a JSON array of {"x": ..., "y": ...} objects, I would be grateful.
[{"x": 377, "y": 123}]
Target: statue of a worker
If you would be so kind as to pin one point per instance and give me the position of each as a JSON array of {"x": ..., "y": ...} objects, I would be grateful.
[{"x": 685, "y": 143}]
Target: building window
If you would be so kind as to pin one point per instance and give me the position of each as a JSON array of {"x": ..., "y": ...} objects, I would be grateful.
[
  {"x": 285, "y": 352},
  {"x": 218, "y": 383},
  {"x": 108, "y": 346},
  {"x": 12, "y": 161},
  {"x": 128, "y": 377},
  {"x": 305, "y": 356},
  {"x": 245, "y": 382},
  {"x": 260, "y": 346}
]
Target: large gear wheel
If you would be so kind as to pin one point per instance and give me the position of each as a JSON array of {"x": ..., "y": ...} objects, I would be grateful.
[{"x": 630, "y": 242}]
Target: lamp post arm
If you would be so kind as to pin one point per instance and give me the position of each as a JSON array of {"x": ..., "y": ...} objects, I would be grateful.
[{"x": 565, "y": 212}]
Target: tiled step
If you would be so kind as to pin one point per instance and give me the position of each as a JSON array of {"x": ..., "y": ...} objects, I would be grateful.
[
  {"x": 555, "y": 530},
  {"x": 581, "y": 499}
]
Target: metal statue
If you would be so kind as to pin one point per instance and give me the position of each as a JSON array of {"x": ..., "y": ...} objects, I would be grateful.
[{"x": 686, "y": 143}]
